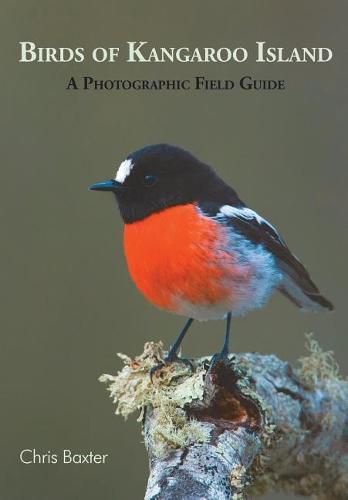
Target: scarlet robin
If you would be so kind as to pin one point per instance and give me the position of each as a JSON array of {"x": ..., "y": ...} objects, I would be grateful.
[{"x": 194, "y": 248}]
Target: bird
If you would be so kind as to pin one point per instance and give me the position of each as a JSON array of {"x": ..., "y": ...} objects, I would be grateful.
[{"x": 194, "y": 248}]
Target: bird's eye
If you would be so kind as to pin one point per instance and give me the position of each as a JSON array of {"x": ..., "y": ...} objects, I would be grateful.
[{"x": 150, "y": 180}]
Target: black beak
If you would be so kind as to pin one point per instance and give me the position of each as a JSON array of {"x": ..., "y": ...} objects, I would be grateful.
[{"x": 110, "y": 185}]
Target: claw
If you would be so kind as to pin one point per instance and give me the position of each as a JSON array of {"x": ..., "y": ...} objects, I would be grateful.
[
  {"x": 168, "y": 360},
  {"x": 177, "y": 359},
  {"x": 155, "y": 368},
  {"x": 216, "y": 358},
  {"x": 186, "y": 362}
]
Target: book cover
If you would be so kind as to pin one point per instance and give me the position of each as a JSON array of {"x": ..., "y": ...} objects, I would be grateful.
[{"x": 255, "y": 90}]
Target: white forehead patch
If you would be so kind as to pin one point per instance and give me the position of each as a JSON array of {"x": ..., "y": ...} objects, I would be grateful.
[{"x": 124, "y": 170}]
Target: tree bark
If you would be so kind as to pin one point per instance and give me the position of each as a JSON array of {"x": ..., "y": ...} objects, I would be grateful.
[
  {"x": 250, "y": 425},
  {"x": 268, "y": 431}
]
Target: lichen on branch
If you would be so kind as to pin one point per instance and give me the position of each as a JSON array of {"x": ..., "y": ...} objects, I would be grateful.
[
  {"x": 318, "y": 366},
  {"x": 252, "y": 423},
  {"x": 174, "y": 386}
]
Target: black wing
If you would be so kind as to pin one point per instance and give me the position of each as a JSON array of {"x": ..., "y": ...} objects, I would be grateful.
[{"x": 258, "y": 230}]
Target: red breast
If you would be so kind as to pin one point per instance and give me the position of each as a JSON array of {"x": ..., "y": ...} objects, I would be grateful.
[{"x": 179, "y": 254}]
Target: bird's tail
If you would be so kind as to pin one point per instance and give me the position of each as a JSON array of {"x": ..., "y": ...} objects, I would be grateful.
[{"x": 307, "y": 298}]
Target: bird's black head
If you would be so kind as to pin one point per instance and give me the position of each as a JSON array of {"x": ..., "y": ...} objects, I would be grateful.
[{"x": 160, "y": 176}]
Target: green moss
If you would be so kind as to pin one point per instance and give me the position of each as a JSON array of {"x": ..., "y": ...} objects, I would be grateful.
[
  {"x": 172, "y": 388},
  {"x": 319, "y": 366}
]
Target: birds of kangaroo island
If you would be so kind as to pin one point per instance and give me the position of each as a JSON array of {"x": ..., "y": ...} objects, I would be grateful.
[{"x": 194, "y": 248}]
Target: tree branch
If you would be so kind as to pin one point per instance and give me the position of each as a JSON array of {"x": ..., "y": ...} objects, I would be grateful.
[{"x": 253, "y": 424}]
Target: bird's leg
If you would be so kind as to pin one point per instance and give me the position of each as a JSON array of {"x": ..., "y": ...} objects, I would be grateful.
[
  {"x": 172, "y": 354},
  {"x": 223, "y": 354}
]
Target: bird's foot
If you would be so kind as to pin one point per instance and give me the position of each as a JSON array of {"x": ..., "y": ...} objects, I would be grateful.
[
  {"x": 168, "y": 360},
  {"x": 220, "y": 357},
  {"x": 155, "y": 369}
]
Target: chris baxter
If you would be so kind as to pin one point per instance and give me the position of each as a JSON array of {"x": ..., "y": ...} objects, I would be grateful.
[{"x": 33, "y": 456}]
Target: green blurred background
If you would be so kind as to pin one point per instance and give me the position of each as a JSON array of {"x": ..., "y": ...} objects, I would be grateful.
[{"x": 68, "y": 305}]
